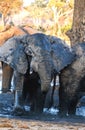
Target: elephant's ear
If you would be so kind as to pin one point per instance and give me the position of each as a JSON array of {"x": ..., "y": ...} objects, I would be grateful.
[
  {"x": 62, "y": 56},
  {"x": 12, "y": 53},
  {"x": 19, "y": 60}
]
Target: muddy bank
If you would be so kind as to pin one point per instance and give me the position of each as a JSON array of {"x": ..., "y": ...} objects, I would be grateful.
[{"x": 36, "y": 124}]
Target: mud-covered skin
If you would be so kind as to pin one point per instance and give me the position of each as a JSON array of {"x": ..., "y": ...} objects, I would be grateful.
[{"x": 71, "y": 87}]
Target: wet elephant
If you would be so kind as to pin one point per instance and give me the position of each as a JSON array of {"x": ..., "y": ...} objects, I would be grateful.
[
  {"x": 72, "y": 80},
  {"x": 57, "y": 58}
]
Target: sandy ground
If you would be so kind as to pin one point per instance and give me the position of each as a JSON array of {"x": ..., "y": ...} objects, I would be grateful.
[
  {"x": 31, "y": 121},
  {"x": 22, "y": 124}
]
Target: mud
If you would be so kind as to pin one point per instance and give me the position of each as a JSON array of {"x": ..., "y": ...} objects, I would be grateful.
[{"x": 32, "y": 121}]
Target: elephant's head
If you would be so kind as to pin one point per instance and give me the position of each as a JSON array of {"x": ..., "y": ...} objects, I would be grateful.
[{"x": 39, "y": 48}]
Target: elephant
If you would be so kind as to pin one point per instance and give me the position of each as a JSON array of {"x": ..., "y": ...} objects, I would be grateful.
[
  {"x": 61, "y": 55},
  {"x": 72, "y": 80}
]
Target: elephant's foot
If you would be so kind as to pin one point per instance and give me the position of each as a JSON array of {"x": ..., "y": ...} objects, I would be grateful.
[
  {"x": 72, "y": 112},
  {"x": 18, "y": 104},
  {"x": 18, "y": 111},
  {"x": 5, "y": 90},
  {"x": 63, "y": 112}
]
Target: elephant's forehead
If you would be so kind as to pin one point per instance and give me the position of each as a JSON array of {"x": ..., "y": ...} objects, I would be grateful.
[
  {"x": 39, "y": 41},
  {"x": 40, "y": 45}
]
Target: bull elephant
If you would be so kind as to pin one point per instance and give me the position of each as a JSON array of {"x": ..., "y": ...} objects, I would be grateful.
[
  {"x": 59, "y": 56},
  {"x": 72, "y": 80}
]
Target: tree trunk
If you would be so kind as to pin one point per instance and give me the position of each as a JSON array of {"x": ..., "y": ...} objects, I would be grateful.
[{"x": 77, "y": 33}]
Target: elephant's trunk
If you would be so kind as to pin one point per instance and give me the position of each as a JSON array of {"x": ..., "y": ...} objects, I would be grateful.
[
  {"x": 44, "y": 71},
  {"x": 45, "y": 85}
]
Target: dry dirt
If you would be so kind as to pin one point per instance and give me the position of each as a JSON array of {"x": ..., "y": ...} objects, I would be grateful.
[{"x": 31, "y": 121}]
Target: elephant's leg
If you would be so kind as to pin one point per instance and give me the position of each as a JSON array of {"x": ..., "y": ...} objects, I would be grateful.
[
  {"x": 48, "y": 98},
  {"x": 72, "y": 106},
  {"x": 63, "y": 102},
  {"x": 39, "y": 102},
  {"x": 36, "y": 98},
  {"x": 7, "y": 73},
  {"x": 18, "y": 98}
]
